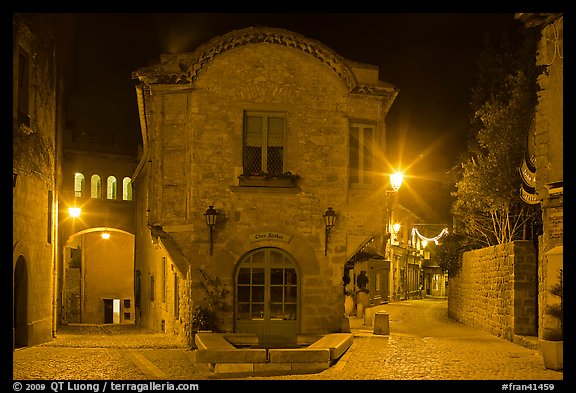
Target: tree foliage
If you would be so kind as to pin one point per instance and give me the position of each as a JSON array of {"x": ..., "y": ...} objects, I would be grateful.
[
  {"x": 487, "y": 207},
  {"x": 450, "y": 252},
  {"x": 210, "y": 316}
]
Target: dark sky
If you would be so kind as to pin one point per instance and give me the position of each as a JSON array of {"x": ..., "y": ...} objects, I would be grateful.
[{"x": 431, "y": 58}]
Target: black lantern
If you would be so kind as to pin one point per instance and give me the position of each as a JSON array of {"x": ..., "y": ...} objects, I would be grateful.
[
  {"x": 329, "y": 218},
  {"x": 210, "y": 216}
]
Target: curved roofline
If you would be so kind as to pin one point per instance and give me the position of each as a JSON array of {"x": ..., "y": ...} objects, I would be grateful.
[
  {"x": 188, "y": 72},
  {"x": 283, "y": 37}
]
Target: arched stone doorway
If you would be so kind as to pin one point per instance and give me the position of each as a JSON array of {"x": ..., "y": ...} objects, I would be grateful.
[
  {"x": 98, "y": 277},
  {"x": 266, "y": 301},
  {"x": 20, "y": 321}
]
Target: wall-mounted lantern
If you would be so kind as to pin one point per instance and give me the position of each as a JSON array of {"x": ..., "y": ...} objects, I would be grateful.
[
  {"x": 210, "y": 216},
  {"x": 105, "y": 235},
  {"x": 329, "y": 218}
]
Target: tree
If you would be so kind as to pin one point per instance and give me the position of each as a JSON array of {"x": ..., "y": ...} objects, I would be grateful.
[
  {"x": 450, "y": 252},
  {"x": 487, "y": 207}
]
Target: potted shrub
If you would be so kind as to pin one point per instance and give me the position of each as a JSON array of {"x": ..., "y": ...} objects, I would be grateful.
[
  {"x": 204, "y": 319},
  {"x": 552, "y": 342}
]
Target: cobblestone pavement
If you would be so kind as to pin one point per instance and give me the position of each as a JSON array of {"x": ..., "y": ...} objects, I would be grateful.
[{"x": 424, "y": 344}]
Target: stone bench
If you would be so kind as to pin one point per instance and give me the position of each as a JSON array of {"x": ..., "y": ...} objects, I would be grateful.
[
  {"x": 337, "y": 343},
  {"x": 216, "y": 348}
]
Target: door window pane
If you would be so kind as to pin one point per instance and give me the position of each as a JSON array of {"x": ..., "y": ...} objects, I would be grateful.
[
  {"x": 257, "y": 294},
  {"x": 258, "y": 276},
  {"x": 276, "y": 276},
  {"x": 290, "y": 312},
  {"x": 276, "y": 294},
  {"x": 244, "y": 276},
  {"x": 244, "y": 294},
  {"x": 257, "y": 311}
]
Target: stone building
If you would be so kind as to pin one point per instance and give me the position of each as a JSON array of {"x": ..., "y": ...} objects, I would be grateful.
[
  {"x": 96, "y": 280},
  {"x": 546, "y": 150},
  {"x": 271, "y": 131},
  {"x": 39, "y": 83}
]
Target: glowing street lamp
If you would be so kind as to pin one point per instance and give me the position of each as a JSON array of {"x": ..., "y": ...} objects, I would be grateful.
[
  {"x": 74, "y": 212},
  {"x": 396, "y": 180},
  {"x": 105, "y": 235}
]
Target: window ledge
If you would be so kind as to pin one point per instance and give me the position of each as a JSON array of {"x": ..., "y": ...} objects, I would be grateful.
[
  {"x": 288, "y": 181},
  {"x": 264, "y": 189}
]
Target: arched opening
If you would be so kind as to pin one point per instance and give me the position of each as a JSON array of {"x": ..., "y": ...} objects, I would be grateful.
[
  {"x": 79, "y": 185},
  {"x": 20, "y": 320},
  {"x": 111, "y": 187},
  {"x": 96, "y": 187},
  {"x": 267, "y": 286},
  {"x": 127, "y": 189}
]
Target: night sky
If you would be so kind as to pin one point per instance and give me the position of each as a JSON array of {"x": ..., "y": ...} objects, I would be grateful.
[{"x": 431, "y": 58}]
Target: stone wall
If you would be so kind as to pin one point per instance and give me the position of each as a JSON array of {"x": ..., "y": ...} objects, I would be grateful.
[
  {"x": 548, "y": 146},
  {"x": 35, "y": 156},
  {"x": 496, "y": 290},
  {"x": 194, "y": 140}
]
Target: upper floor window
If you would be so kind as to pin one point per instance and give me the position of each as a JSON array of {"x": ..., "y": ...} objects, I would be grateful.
[
  {"x": 79, "y": 185},
  {"x": 96, "y": 187},
  {"x": 127, "y": 189},
  {"x": 111, "y": 188},
  {"x": 361, "y": 153},
  {"x": 263, "y": 143}
]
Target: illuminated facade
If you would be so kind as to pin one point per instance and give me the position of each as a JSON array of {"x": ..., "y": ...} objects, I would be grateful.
[{"x": 271, "y": 129}]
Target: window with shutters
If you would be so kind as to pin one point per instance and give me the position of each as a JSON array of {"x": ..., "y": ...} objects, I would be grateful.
[
  {"x": 362, "y": 143},
  {"x": 264, "y": 153},
  {"x": 263, "y": 143}
]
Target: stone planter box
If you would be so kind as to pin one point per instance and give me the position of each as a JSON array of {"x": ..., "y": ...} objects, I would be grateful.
[
  {"x": 552, "y": 354},
  {"x": 268, "y": 181}
]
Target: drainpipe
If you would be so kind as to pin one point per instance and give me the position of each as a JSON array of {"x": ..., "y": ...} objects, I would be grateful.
[{"x": 143, "y": 126}]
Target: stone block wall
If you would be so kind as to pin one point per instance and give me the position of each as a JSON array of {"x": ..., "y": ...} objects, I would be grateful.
[
  {"x": 496, "y": 290},
  {"x": 194, "y": 137}
]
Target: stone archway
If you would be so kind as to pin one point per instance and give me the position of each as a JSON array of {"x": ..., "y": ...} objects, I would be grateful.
[{"x": 20, "y": 299}]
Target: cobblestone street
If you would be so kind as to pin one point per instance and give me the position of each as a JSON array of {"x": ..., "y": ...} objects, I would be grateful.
[{"x": 424, "y": 344}]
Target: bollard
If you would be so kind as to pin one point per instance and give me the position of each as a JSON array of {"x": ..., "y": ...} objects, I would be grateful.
[
  {"x": 381, "y": 323},
  {"x": 368, "y": 317}
]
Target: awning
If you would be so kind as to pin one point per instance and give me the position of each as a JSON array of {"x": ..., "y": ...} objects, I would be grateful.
[
  {"x": 366, "y": 251},
  {"x": 168, "y": 244}
]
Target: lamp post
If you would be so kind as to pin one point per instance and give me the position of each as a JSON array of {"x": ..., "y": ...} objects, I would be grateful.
[
  {"x": 329, "y": 218},
  {"x": 210, "y": 216},
  {"x": 395, "y": 182}
]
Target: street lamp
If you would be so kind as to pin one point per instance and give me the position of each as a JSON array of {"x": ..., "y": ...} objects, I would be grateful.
[
  {"x": 74, "y": 211},
  {"x": 329, "y": 218},
  {"x": 210, "y": 216},
  {"x": 395, "y": 182}
]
